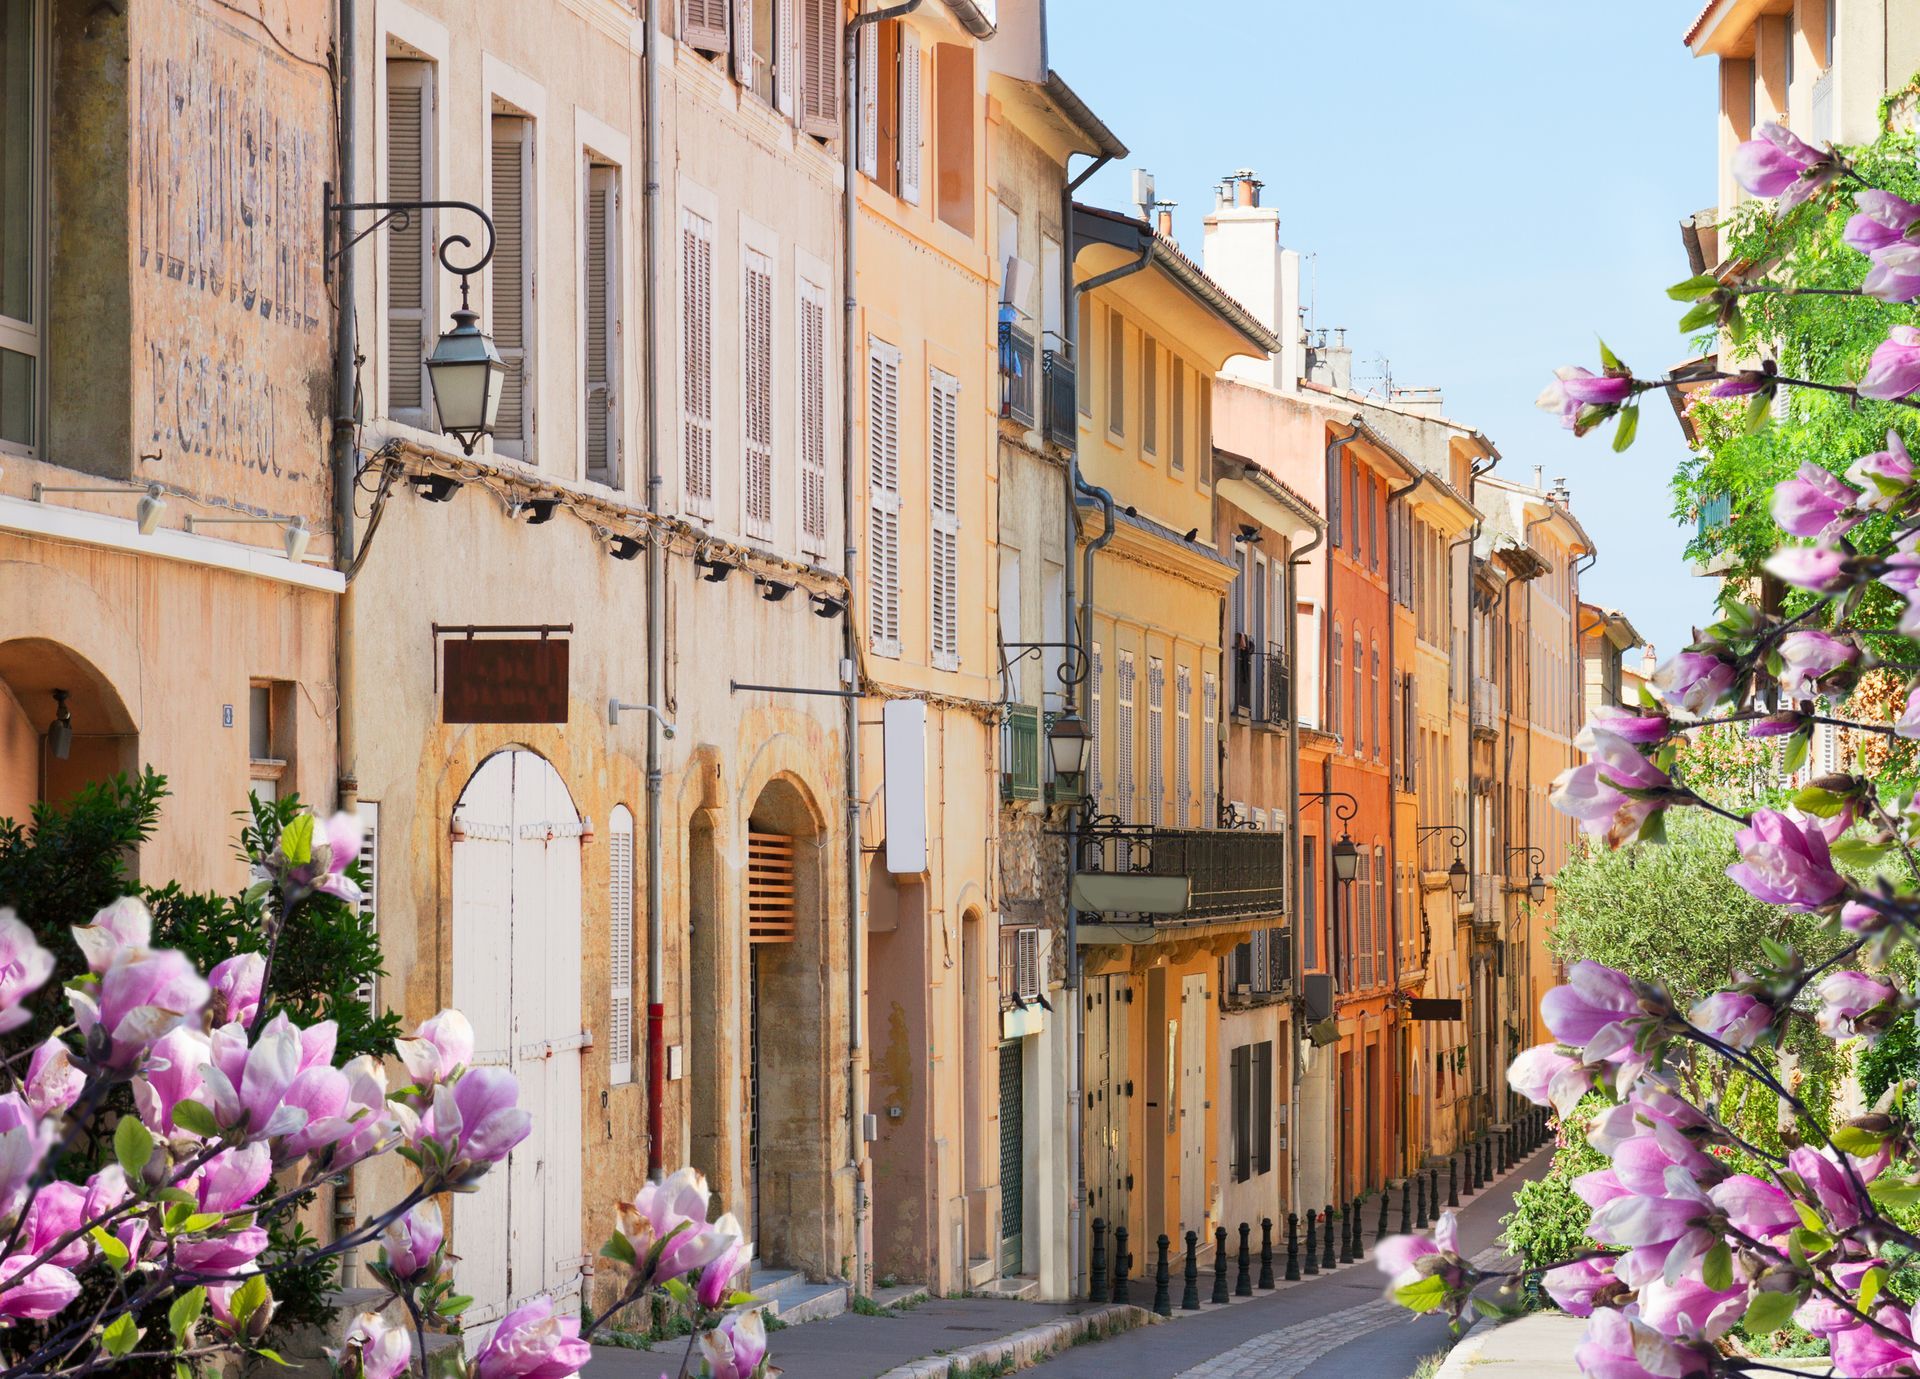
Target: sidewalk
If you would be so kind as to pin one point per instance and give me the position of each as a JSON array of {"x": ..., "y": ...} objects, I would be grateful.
[
  {"x": 942, "y": 1336},
  {"x": 1539, "y": 1345}
]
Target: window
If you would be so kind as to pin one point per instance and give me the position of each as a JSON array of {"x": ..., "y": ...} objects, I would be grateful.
[
  {"x": 620, "y": 945},
  {"x": 368, "y": 812},
  {"x": 601, "y": 304},
  {"x": 766, "y": 40},
  {"x": 883, "y": 497},
  {"x": 512, "y": 270},
  {"x": 890, "y": 108},
  {"x": 1116, "y": 373},
  {"x": 756, "y": 390},
  {"x": 1252, "y": 1110},
  {"x": 703, "y": 24},
  {"x": 943, "y": 546},
  {"x": 410, "y": 262},
  {"x": 1149, "y": 395},
  {"x": 270, "y": 719},
  {"x": 1156, "y": 740},
  {"x": 1177, "y": 438},
  {"x": 1209, "y": 749},
  {"x": 812, "y": 410},
  {"x": 1309, "y": 904},
  {"x": 1083, "y": 356},
  {"x": 1374, "y": 703},
  {"x": 1373, "y": 528},
  {"x": 696, "y": 360},
  {"x": 22, "y": 213},
  {"x": 820, "y": 67},
  {"x": 1353, "y": 495},
  {"x": 1359, "y": 694},
  {"x": 1334, "y": 683},
  {"x": 1204, "y": 469},
  {"x": 1382, "y": 926},
  {"x": 1183, "y": 746},
  {"x": 953, "y": 135},
  {"x": 1126, "y": 745},
  {"x": 1336, "y": 530},
  {"x": 1094, "y": 679}
]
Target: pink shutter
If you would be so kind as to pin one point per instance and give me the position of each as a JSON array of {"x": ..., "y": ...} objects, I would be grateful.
[
  {"x": 696, "y": 364},
  {"x": 820, "y": 62},
  {"x": 813, "y": 419},
  {"x": 703, "y": 24},
  {"x": 756, "y": 333}
]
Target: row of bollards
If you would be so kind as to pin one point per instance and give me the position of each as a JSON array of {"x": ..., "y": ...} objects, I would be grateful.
[{"x": 1470, "y": 1169}]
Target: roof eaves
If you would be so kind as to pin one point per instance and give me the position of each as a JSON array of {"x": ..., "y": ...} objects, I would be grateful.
[
  {"x": 1700, "y": 22},
  {"x": 972, "y": 17},
  {"x": 1105, "y": 142},
  {"x": 1183, "y": 270}
]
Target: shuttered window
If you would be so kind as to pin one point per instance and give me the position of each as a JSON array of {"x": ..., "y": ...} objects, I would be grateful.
[
  {"x": 1203, "y": 406},
  {"x": 1126, "y": 743},
  {"x": 1261, "y": 1076},
  {"x": 1116, "y": 373},
  {"x": 1382, "y": 902},
  {"x": 703, "y": 24},
  {"x": 1094, "y": 682},
  {"x": 696, "y": 361},
  {"x": 1177, "y": 440},
  {"x": 1149, "y": 394},
  {"x": 756, "y": 391},
  {"x": 869, "y": 131},
  {"x": 1374, "y": 703},
  {"x": 943, "y": 485},
  {"x": 410, "y": 263},
  {"x": 1309, "y": 905},
  {"x": 513, "y": 282},
  {"x": 912, "y": 123},
  {"x": 883, "y": 497},
  {"x": 1335, "y": 683},
  {"x": 745, "y": 67},
  {"x": 1359, "y": 694},
  {"x": 1156, "y": 740},
  {"x": 601, "y": 305},
  {"x": 820, "y": 67},
  {"x": 812, "y": 408},
  {"x": 1183, "y": 746},
  {"x": 1336, "y": 533},
  {"x": 771, "y": 879},
  {"x": 1209, "y": 749},
  {"x": 620, "y": 945},
  {"x": 368, "y": 813},
  {"x": 1241, "y": 1113}
]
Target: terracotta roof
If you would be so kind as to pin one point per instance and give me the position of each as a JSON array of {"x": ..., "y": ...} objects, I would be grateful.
[{"x": 1699, "y": 22}]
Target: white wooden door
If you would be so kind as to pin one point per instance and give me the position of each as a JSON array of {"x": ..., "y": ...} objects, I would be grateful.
[
  {"x": 516, "y": 975},
  {"x": 1193, "y": 1104}
]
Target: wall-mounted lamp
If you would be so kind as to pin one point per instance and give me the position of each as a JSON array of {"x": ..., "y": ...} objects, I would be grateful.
[
  {"x": 1067, "y": 743},
  {"x": 146, "y": 516},
  {"x": 60, "y": 731},
  {"x": 827, "y": 606},
  {"x": 535, "y": 511},
  {"x": 1457, "y": 873},
  {"x": 625, "y": 547},
  {"x": 615, "y": 708},
  {"x": 294, "y": 538},
  {"x": 715, "y": 570},
  {"x": 1536, "y": 884},
  {"x": 772, "y": 590},
  {"x": 434, "y": 488},
  {"x": 1346, "y": 859}
]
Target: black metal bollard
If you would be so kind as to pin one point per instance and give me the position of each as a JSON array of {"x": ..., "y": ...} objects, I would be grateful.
[
  {"x": 1419, "y": 1201},
  {"x": 1327, "y": 1260},
  {"x": 1359, "y": 1231},
  {"x": 1162, "y": 1291},
  {"x": 1312, "y": 1266},
  {"x": 1293, "y": 1246},
  {"x": 1381, "y": 1230},
  {"x": 1406, "y": 1206},
  {"x": 1266, "y": 1252},
  {"x": 1122, "y": 1262},
  {"x": 1190, "y": 1296},
  {"x": 1243, "y": 1282},
  {"x": 1500, "y": 1151},
  {"x": 1482, "y": 1157},
  {"x": 1097, "y": 1270},
  {"x": 1346, "y": 1235},
  {"x": 1220, "y": 1293},
  {"x": 1433, "y": 1192},
  {"x": 1453, "y": 1180}
]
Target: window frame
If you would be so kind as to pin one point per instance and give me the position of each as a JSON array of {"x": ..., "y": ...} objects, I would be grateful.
[
  {"x": 28, "y": 338},
  {"x": 599, "y": 175},
  {"x": 523, "y": 448}
]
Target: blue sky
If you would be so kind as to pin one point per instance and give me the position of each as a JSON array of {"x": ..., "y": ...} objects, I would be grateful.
[{"x": 1487, "y": 185}]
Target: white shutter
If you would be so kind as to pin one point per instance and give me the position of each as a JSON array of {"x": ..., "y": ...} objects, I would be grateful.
[
  {"x": 812, "y": 411},
  {"x": 1209, "y": 748},
  {"x": 601, "y": 305},
  {"x": 620, "y": 945},
  {"x": 910, "y": 121},
  {"x": 743, "y": 42},
  {"x": 1026, "y": 963},
  {"x": 410, "y": 246},
  {"x": 1126, "y": 743},
  {"x": 1156, "y": 741},
  {"x": 368, "y": 813},
  {"x": 1183, "y": 746},
  {"x": 756, "y": 390},
  {"x": 869, "y": 101},
  {"x": 512, "y": 282},
  {"x": 786, "y": 58},
  {"x": 703, "y": 24},
  {"x": 943, "y": 411},
  {"x": 820, "y": 68},
  {"x": 1094, "y": 679},
  {"x": 883, "y": 498},
  {"x": 696, "y": 361}
]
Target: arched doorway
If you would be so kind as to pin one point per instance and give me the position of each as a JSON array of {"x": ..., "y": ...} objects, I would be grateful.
[
  {"x": 62, "y": 725},
  {"x": 516, "y": 976}
]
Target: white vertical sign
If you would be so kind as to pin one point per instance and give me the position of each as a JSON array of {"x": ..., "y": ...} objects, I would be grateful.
[{"x": 904, "y": 757}]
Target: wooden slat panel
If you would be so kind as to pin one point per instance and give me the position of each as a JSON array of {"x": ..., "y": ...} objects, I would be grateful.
[{"x": 771, "y": 888}]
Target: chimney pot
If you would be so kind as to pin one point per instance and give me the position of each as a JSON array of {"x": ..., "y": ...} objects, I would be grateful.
[{"x": 1163, "y": 223}]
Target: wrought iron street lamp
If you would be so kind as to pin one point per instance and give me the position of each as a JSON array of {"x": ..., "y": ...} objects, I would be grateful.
[
  {"x": 1536, "y": 884},
  {"x": 1067, "y": 743},
  {"x": 1346, "y": 856},
  {"x": 1457, "y": 873},
  {"x": 1346, "y": 859}
]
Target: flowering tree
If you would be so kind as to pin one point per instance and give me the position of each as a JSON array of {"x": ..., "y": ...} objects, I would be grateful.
[
  {"x": 1699, "y": 1227},
  {"x": 143, "y": 1142}
]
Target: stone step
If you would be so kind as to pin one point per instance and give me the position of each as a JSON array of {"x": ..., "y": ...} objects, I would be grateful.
[
  {"x": 794, "y": 1298},
  {"x": 1014, "y": 1289}
]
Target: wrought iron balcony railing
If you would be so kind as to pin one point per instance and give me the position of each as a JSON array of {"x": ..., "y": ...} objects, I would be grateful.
[
  {"x": 1017, "y": 382},
  {"x": 1262, "y": 685},
  {"x": 1063, "y": 423},
  {"x": 1228, "y": 872}
]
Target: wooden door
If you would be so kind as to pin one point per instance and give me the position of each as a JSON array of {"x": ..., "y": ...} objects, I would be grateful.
[{"x": 1193, "y": 1104}]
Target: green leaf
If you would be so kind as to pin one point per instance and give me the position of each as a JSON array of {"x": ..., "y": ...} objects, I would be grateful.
[
  {"x": 1768, "y": 1312},
  {"x": 1704, "y": 314},
  {"x": 1734, "y": 323},
  {"x": 678, "y": 1290},
  {"x": 1809, "y": 1218},
  {"x": 182, "y": 1370},
  {"x": 1759, "y": 412},
  {"x": 618, "y": 1248},
  {"x": 296, "y": 840},
  {"x": 1793, "y": 754},
  {"x": 1716, "y": 1271},
  {"x": 1871, "y": 1283},
  {"x": 1894, "y": 1192},
  {"x": 175, "y": 1218},
  {"x": 1423, "y": 1295},
  {"x": 248, "y": 1298},
  {"x": 453, "y": 1306},
  {"x": 121, "y": 1336},
  {"x": 1811, "y": 1242},
  {"x": 202, "y": 1221},
  {"x": 110, "y": 1247},
  {"x": 1488, "y": 1309},
  {"x": 1629, "y": 426},
  {"x": 272, "y": 1355},
  {"x": 196, "y": 1119},
  {"x": 186, "y": 1311},
  {"x": 132, "y": 1146},
  {"x": 1777, "y": 952},
  {"x": 1814, "y": 800},
  {"x": 1855, "y": 851},
  {"x": 1609, "y": 360},
  {"x": 1694, "y": 288},
  {"x": 1852, "y": 1139}
]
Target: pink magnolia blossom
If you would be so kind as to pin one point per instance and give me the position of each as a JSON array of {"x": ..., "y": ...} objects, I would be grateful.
[
  {"x": 1576, "y": 1288},
  {"x": 716, "y": 1278},
  {"x": 1815, "y": 503},
  {"x": 1693, "y": 682},
  {"x": 1783, "y": 862},
  {"x": 1599, "y": 1187},
  {"x": 1821, "y": 1315},
  {"x": 142, "y": 993},
  {"x": 671, "y": 1217},
  {"x": 227, "y": 1183},
  {"x": 439, "y": 1049},
  {"x": 236, "y": 988},
  {"x": 1883, "y": 476},
  {"x": 1808, "y": 657},
  {"x": 374, "y": 1349},
  {"x": 1895, "y": 275},
  {"x": 55, "y": 1212},
  {"x": 1777, "y": 725},
  {"x": 1733, "y": 1017},
  {"x": 409, "y": 1244},
  {"x": 1641, "y": 1163},
  {"x": 53, "y": 1083},
  {"x": 34, "y": 1293},
  {"x": 735, "y": 1348},
  {"x": 1882, "y": 220},
  {"x": 1547, "y": 1077},
  {"x": 249, "y": 1085},
  {"x": 532, "y": 1343},
  {"x": 1743, "y": 384},
  {"x": 1642, "y": 727},
  {"x": 1686, "y": 1309},
  {"x": 1597, "y": 390},
  {"x": 1675, "y": 1226},
  {"x": 330, "y": 851},
  {"x": 1863, "y": 1352},
  {"x": 1595, "y": 1000},
  {"x": 171, "y": 1076},
  {"x": 1645, "y": 1106},
  {"x": 1594, "y": 791},
  {"x": 1846, "y": 997},
  {"x": 1894, "y": 370},
  {"x": 1820, "y": 569},
  {"x": 1619, "y": 1347},
  {"x": 1780, "y": 163},
  {"x": 1907, "y": 723},
  {"x": 1754, "y": 1206},
  {"x": 125, "y": 924},
  {"x": 475, "y": 1122},
  {"x": 1839, "y": 1202},
  {"x": 24, "y": 969},
  {"x": 1571, "y": 390}
]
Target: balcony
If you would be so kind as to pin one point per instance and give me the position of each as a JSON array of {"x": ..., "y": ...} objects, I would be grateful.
[
  {"x": 1262, "y": 686},
  {"x": 1205, "y": 874},
  {"x": 1020, "y": 754},
  {"x": 1261, "y": 969},
  {"x": 1017, "y": 383},
  {"x": 1486, "y": 705},
  {"x": 1063, "y": 422},
  {"x": 1489, "y": 902}
]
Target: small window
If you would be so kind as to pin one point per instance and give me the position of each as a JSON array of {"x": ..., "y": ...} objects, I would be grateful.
[
  {"x": 756, "y": 391},
  {"x": 269, "y": 738},
  {"x": 1204, "y": 390},
  {"x": 953, "y": 135},
  {"x": 620, "y": 945}
]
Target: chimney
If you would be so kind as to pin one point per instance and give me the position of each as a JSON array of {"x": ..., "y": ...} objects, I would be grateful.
[
  {"x": 1242, "y": 252},
  {"x": 1538, "y": 470},
  {"x": 1331, "y": 365},
  {"x": 1163, "y": 222},
  {"x": 1648, "y": 661},
  {"x": 1562, "y": 494}
]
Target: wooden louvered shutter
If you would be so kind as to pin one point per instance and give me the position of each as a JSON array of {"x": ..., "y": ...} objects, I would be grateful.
[
  {"x": 944, "y": 527},
  {"x": 512, "y": 148},
  {"x": 1126, "y": 742},
  {"x": 869, "y": 149},
  {"x": 368, "y": 813},
  {"x": 1262, "y": 1079},
  {"x": 1240, "y": 1117},
  {"x": 813, "y": 419},
  {"x": 1026, "y": 962},
  {"x": 1156, "y": 741},
  {"x": 601, "y": 307},
  {"x": 911, "y": 123},
  {"x": 743, "y": 62},
  {"x": 696, "y": 361},
  {"x": 786, "y": 59},
  {"x": 620, "y": 945},
  {"x": 756, "y": 382},
  {"x": 703, "y": 24},
  {"x": 883, "y": 498},
  {"x": 770, "y": 888},
  {"x": 1209, "y": 749},
  {"x": 410, "y": 247},
  {"x": 1094, "y": 679},
  {"x": 820, "y": 68},
  {"x": 1183, "y": 746}
]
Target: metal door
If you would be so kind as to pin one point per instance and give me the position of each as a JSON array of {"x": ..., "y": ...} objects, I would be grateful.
[
  {"x": 1193, "y": 1107},
  {"x": 516, "y": 975},
  {"x": 1013, "y": 1157}
]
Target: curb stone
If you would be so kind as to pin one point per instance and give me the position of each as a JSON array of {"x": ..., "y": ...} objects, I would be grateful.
[{"x": 1029, "y": 1347}]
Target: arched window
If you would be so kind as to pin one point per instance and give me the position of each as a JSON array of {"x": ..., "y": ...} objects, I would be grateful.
[
  {"x": 1382, "y": 905},
  {"x": 1359, "y": 692},
  {"x": 620, "y": 944},
  {"x": 1374, "y": 731},
  {"x": 1333, "y": 685}
]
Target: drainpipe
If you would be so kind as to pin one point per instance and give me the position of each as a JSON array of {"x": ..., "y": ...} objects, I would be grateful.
[
  {"x": 656, "y": 614},
  {"x": 347, "y": 787},
  {"x": 1394, "y": 495},
  {"x": 1295, "y": 559},
  {"x": 850, "y": 645}
]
